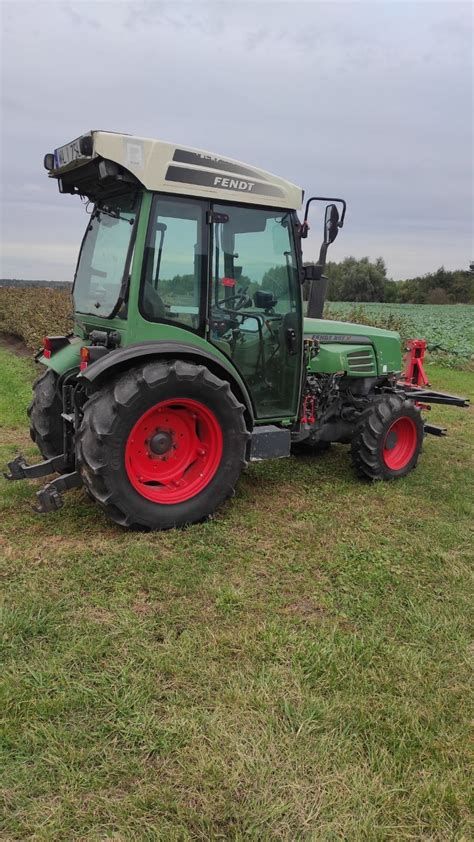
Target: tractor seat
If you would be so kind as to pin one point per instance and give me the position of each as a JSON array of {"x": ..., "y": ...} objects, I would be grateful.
[{"x": 153, "y": 303}]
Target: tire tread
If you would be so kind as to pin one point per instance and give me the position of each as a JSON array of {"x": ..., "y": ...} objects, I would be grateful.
[{"x": 366, "y": 442}]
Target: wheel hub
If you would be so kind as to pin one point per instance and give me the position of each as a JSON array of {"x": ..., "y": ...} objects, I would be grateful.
[
  {"x": 400, "y": 443},
  {"x": 391, "y": 440},
  {"x": 174, "y": 450},
  {"x": 161, "y": 442}
]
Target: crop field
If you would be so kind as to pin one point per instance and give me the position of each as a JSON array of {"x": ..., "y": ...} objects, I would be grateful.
[
  {"x": 449, "y": 329},
  {"x": 296, "y": 668}
]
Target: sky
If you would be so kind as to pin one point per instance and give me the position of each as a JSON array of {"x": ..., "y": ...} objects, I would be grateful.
[{"x": 368, "y": 101}]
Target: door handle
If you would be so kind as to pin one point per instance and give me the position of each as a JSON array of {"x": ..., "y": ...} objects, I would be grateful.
[{"x": 291, "y": 341}]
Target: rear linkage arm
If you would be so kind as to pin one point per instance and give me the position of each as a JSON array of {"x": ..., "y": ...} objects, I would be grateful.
[
  {"x": 49, "y": 497},
  {"x": 430, "y": 396},
  {"x": 421, "y": 395}
]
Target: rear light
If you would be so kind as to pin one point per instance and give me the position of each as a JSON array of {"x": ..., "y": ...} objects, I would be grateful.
[
  {"x": 47, "y": 347},
  {"x": 84, "y": 358},
  {"x": 51, "y": 344}
]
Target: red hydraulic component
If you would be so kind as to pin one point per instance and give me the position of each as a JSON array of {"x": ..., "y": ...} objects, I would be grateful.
[
  {"x": 308, "y": 416},
  {"x": 414, "y": 373}
]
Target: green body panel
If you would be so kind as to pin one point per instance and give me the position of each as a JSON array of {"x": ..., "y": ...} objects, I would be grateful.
[{"x": 333, "y": 356}]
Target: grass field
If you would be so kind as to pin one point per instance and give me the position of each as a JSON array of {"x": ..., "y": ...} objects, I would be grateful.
[{"x": 296, "y": 669}]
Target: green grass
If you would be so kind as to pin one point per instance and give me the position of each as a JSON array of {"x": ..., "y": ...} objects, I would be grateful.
[{"x": 295, "y": 669}]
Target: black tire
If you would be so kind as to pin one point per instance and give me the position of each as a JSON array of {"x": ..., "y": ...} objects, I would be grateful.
[
  {"x": 44, "y": 412},
  {"x": 376, "y": 440},
  {"x": 111, "y": 414},
  {"x": 309, "y": 448}
]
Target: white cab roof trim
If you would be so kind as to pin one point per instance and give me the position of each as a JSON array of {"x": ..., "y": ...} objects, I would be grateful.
[{"x": 165, "y": 167}]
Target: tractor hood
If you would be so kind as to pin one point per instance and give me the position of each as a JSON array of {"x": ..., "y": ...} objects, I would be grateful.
[{"x": 360, "y": 350}]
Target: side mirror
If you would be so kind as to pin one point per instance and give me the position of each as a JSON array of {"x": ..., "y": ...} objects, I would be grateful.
[{"x": 331, "y": 224}]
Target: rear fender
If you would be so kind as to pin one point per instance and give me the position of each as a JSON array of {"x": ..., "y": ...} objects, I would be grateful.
[
  {"x": 122, "y": 358},
  {"x": 66, "y": 359}
]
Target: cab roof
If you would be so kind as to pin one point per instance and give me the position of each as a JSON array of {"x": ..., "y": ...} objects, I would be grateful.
[{"x": 165, "y": 167}]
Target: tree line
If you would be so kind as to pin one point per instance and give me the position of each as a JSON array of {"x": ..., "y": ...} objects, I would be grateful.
[{"x": 363, "y": 280}]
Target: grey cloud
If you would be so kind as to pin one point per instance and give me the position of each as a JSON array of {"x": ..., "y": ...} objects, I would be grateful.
[{"x": 371, "y": 101}]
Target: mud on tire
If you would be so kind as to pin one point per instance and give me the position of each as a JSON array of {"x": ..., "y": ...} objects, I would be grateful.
[
  {"x": 388, "y": 439},
  {"x": 44, "y": 412},
  {"x": 113, "y": 414}
]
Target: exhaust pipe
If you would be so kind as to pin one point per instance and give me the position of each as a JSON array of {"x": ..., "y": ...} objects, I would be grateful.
[{"x": 317, "y": 297}]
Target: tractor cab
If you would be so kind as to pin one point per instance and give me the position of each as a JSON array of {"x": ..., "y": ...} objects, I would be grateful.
[{"x": 188, "y": 246}]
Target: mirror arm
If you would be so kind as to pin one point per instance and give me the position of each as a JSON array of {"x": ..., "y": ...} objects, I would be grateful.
[
  {"x": 304, "y": 225},
  {"x": 322, "y": 256}
]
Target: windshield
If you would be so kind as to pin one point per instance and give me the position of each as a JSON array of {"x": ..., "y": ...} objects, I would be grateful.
[{"x": 105, "y": 255}]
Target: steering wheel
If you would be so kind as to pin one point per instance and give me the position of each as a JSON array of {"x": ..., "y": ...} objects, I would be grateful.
[{"x": 240, "y": 298}]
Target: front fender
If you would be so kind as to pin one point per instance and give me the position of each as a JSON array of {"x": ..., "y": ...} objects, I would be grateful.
[{"x": 121, "y": 359}]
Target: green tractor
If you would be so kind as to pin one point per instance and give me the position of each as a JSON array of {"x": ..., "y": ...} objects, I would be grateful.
[{"x": 190, "y": 355}]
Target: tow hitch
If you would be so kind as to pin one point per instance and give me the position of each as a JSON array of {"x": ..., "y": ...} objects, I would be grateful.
[{"x": 49, "y": 497}]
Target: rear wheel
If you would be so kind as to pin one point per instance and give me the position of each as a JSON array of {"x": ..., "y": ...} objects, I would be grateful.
[
  {"x": 388, "y": 439},
  {"x": 162, "y": 445},
  {"x": 44, "y": 411}
]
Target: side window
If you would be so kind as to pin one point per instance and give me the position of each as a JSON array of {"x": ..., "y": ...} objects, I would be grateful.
[
  {"x": 175, "y": 261},
  {"x": 267, "y": 262}
]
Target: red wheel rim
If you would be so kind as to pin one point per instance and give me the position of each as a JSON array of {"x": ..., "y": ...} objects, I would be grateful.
[
  {"x": 400, "y": 443},
  {"x": 173, "y": 451}
]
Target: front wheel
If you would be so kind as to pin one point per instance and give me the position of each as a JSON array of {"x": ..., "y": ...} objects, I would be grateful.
[
  {"x": 162, "y": 445},
  {"x": 388, "y": 439}
]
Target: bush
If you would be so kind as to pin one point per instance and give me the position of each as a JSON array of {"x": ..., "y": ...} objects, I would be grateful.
[{"x": 30, "y": 314}]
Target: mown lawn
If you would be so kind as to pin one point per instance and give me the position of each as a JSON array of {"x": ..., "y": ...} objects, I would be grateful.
[{"x": 296, "y": 669}]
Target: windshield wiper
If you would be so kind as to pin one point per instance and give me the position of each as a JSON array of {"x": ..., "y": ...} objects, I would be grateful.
[{"x": 114, "y": 214}]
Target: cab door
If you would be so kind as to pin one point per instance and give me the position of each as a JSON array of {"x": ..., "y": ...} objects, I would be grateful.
[{"x": 255, "y": 303}]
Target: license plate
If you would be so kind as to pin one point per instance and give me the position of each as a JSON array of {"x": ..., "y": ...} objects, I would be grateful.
[{"x": 65, "y": 155}]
